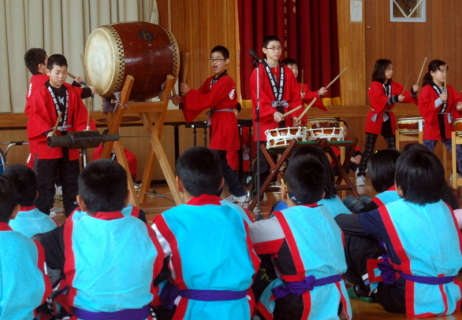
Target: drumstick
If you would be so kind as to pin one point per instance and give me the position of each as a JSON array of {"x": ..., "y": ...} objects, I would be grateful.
[
  {"x": 306, "y": 109},
  {"x": 336, "y": 78},
  {"x": 404, "y": 88},
  {"x": 73, "y": 77},
  {"x": 88, "y": 115},
  {"x": 185, "y": 70},
  {"x": 421, "y": 69},
  {"x": 55, "y": 129},
  {"x": 291, "y": 111}
]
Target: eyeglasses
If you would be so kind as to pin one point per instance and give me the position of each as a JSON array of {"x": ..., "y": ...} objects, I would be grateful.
[
  {"x": 275, "y": 48},
  {"x": 216, "y": 60}
]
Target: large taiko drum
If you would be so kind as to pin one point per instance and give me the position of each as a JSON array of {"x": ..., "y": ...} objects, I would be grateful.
[
  {"x": 410, "y": 125},
  {"x": 146, "y": 51},
  {"x": 458, "y": 126},
  {"x": 281, "y": 137},
  {"x": 324, "y": 128}
]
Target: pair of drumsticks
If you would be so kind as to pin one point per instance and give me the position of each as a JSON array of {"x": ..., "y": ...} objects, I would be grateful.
[{"x": 313, "y": 101}]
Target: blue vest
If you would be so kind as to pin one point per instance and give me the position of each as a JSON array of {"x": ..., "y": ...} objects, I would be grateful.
[
  {"x": 210, "y": 250},
  {"x": 335, "y": 206},
  {"x": 427, "y": 243},
  {"x": 386, "y": 197},
  {"x": 32, "y": 222},
  {"x": 111, "y": 264},
  {"x": 315, "y": 241},
  {"x": 22, "y": 283}
]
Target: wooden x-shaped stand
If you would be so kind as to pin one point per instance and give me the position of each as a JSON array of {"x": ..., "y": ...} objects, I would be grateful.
[
  {"x": 153, "y": 116},
  {"x": 323, "y": 144}
]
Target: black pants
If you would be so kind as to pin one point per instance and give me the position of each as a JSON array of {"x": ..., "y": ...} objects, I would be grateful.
[
  {"x": 47, "y": 171},
  {"x": 358, "y": 250},
  {"x": 371, "y": 138},
  {"x": 231, "y": 178}
]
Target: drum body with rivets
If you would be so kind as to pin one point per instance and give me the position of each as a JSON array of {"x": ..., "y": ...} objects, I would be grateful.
[{"x": 146, "y": 51}]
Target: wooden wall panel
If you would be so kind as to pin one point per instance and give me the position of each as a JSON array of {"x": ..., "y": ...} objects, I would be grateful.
[
  {"x": 406, "y": 44},
  {"x": 198, "y": 26}
]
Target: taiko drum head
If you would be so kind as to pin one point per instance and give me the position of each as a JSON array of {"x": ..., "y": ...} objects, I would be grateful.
[{"x": 146, "y": 51}]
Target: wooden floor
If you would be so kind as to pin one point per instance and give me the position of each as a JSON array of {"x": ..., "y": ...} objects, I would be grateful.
[{"x": 160, "y": 200}]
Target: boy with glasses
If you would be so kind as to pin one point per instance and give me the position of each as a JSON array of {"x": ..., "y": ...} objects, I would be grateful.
[{"x": 217, "y": 93}]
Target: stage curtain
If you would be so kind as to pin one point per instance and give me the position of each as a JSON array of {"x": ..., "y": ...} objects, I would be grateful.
[
  {"x": 58, "y": 26},
  {"x": 308, "y": 33}
]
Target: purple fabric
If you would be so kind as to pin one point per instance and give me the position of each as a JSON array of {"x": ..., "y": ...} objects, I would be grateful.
[
  {"x": 387, "y": 271},
  {"x": 126, "y": 314},
  {"x": 170, "y": 292},
  {"x": 428, "y": 280},
  {"x": 300, "y": 287},
  {"x": 213, "y": 295}
]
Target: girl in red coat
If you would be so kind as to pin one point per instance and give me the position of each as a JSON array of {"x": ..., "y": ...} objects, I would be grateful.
[
  {"x": 383, "y": 94},
  {"x": 439, "y": 105}
]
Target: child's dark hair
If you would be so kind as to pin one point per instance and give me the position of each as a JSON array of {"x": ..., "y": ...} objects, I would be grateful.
[
  {"x": 199, "y": 169},
  {"x": 331, "y": 189},
  {"x": 449, "y": 194},
  {"x": 25, "y": 181},
  {"x": 8, "y": 198},
  {"x": 268, "y": 39},
  {"x": 289, "y": 61},
  {"x": 380, "y": 67},
  {"x": 33, "y": 58},
  {"x": 381, "y": 168},
  {"x": 56, "y": 59},
  {"x": 103, "y": 186},
  {"x": 305, "y": 179},
  {"x": 420, "y": 175},
  {"x": 223, "y": 50},
  {"x": 434, "y": 66}
]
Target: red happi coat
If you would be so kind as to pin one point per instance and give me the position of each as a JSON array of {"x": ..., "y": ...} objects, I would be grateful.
[
  {"x": 291, "y": 95},
  {"x": 431, "y": 130},
  {"x": 43, "y": 116},
  {"x": 219, "y": 96},
  {"x": 378, "y": 101}
]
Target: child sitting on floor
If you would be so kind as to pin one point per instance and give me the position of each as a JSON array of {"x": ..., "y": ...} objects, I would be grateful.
[
  {"x": 306, "y": 248},
  {"x": 210, "y": 254},
  {"x": 29, "y": 220},
  {"x": 421, "y": 256}
]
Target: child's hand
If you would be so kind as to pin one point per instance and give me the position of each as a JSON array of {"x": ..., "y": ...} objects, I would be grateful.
[
  {"x": 296, "y": 122},
  {"x": 322, "y": 91},
  {"x": 356, "y": 159},
  {"x": 303, "y": 94},
  {"x": 444, "y": 96},
  {"x": 176, "y": 100},
  {"x": 184, "y": 88},
  {"x": 277, "y": 116},
  {"x": 79, "y": 79},
  {"x": 92, "y": 90},
  {"x": 415, "y": 88},
  {"x": 459, "y": 106}
]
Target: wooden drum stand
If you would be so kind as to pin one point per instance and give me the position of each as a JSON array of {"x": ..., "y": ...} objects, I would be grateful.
[{"x": 152, "y": 115}]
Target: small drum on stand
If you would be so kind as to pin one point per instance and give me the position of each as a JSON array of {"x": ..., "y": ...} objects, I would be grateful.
[
  {"x": 410, "y": 125},
  {"x": 146, "y": 51},
  {"x": 324, "y": 128},
  {"x": 281, "y": 137},
  {"x": 458, "y": 126}
]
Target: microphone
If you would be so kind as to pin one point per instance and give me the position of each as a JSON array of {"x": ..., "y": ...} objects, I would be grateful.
[{"x": 254, "y": 55}]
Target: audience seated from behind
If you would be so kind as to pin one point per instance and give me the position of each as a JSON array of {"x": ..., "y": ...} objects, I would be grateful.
[
  {"x": 29, "y": 220},
  {"x": 23, "y": 283},
  {"x": 406, "y": 254},
  {"x": 381, "y": 169},
  {"x": 210, "y": 254},
  {"x": 109, "y": 259},
  {"x": 306, "y": 248},
  {"x": 331, "y": 200}
]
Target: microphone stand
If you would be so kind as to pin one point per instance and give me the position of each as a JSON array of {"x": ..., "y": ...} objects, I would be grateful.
[{"x": 258, "y": 216}]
